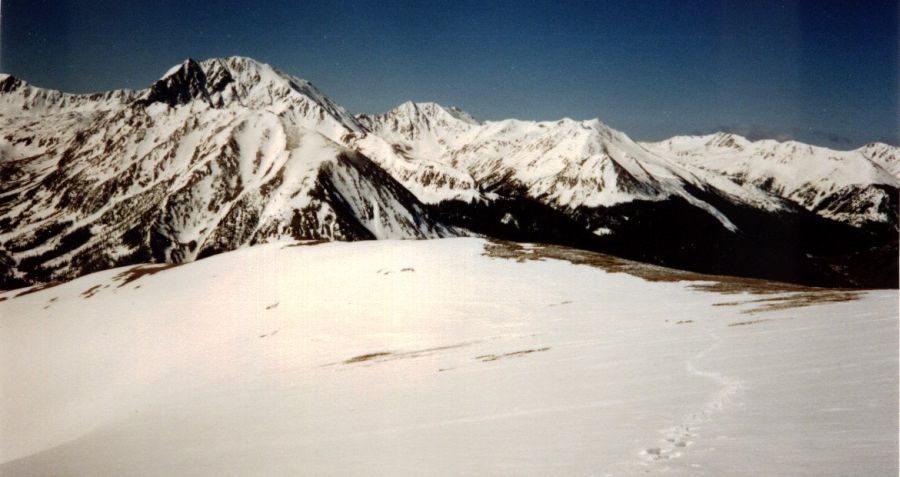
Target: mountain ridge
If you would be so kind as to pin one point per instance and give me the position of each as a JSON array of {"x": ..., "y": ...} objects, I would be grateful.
[{"x": 228, "y": 152}]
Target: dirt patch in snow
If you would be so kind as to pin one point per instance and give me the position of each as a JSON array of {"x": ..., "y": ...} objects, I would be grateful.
[
  {"x": 789, "y": 295},
  {"x": 745, "y": 323},
  {"x": 38, "y": 288},
  {"x": 304, "y": 243},
  {"x": 367, "y": 357},
  {"x": 135, "y": 273},
  {"x": 515, "y": 354},
  {"x": 91, "y": 291},
  {"x": 384, "y": 271},
  {"x": 796, "y": 300},
  {"x": 392, "y": 355}
]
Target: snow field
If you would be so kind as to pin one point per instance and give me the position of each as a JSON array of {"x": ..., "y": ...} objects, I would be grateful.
[{"x": 411, "y": 357}]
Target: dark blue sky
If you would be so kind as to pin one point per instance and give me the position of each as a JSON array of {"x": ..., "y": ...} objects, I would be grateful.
[{"x": 823, "y": 72}]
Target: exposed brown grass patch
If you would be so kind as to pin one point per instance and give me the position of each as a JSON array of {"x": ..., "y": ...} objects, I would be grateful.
[
  {"x": 50, "y": 302},
  {"x": 138, "y": 271},
  {"x": 305, "y": 243},
  {"x": 392, "y": 355},
  {"x": 515, "y": 354},
  {"x": 91, "y": 291},
  {"x": 38, "y": 288},
  {"x": 790, "y": 295},
  {"x": 745, "y": 323},
  {"x": 367, "y": 357}
]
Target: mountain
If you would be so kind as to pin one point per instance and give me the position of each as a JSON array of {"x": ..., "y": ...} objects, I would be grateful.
[
  {"x": 230, "y": 152},
  {"x": 856, "y": 187},
  {"x": 886, "y": 156},
  {"x": 213, "y": 156},
  {"x": 795, "y": 213},
  {"x": 450, "y": 357}
]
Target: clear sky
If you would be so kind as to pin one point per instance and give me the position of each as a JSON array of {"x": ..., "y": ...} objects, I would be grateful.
[{"x": 819, "y": 71}]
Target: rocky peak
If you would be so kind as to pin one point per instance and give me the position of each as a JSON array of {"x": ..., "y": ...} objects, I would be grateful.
[
  {"x": 9, "y": 83},
  {"x": 180, "y": 85}
]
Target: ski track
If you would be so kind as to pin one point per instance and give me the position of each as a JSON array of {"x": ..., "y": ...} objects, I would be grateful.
[{"x": 678, "y": 438}]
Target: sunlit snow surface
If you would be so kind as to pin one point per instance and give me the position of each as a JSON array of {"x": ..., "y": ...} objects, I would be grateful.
[{"x": 435, "y": 357}]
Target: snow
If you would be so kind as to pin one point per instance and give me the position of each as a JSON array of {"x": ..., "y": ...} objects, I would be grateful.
[
  {"x": 411, "y": 357},
  {"x": 791, "y": 166},
  {"x": 199, "y": 165},
  {"x": 566, "y": 164},
  {"x": 885, "y": 156}
]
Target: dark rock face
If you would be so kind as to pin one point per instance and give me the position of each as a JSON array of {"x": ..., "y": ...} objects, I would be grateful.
[
  {"x": 9, "y": 84},
  {"x": 796, "y": 247},
  {"x": 181, "y": 87},
  {"x": 857, "y": 201}
]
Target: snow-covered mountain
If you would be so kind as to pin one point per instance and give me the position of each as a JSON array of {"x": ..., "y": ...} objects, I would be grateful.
[
  {"x": 855, "y": 187},
  {"x": 213, "y": 156},
  {"x": 230, "y": 152},
  {"x": 664, "y": 203},
  {"x": 570, "y": 164},
  {"x": 445, "y": 357},
  {"x": 565, "y": 164}
]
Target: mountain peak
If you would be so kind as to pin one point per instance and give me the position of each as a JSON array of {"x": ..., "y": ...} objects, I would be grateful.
[
  {"x": 432, "y": 110},
  {"x": 180, "y": 85},
  {"x": 9, "y": 83},
  {"x": 727, "y": 140}
]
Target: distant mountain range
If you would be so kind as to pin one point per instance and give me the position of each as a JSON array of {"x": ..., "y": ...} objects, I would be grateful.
[{"x": 230, "y": 152}]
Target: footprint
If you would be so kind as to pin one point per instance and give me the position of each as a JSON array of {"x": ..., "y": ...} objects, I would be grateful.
[{"x": 678, "y": 438}]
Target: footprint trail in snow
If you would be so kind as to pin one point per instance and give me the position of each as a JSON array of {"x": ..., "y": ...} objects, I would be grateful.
[{"x": 677, "y": 438}]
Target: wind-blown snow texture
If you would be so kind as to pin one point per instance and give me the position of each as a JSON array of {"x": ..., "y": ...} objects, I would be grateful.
[
  {"x": 231, "y": 152},
  {"x": 443, "y": 357}
]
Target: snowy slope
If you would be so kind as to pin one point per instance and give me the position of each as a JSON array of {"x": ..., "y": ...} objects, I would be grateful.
[
  {"x": 213, "y": 156},
  {"x": 808, "y": 175},
  {"x": 27, "y": 99},
  {"x": 418, "y": 163},
  {"x": 886, "y": 156},
  {"x": 443, "y": 357}
]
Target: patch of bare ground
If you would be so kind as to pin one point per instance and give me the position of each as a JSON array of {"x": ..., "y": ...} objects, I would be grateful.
[
  {"x": 797, "y": 300},
  {"x": 745, "y": 323},
  {"x": 367, "y": 357},
  {"x": 91, "y": 291},
  {"x": 38, "y": 288},
  {"x": 138, "y": 271},
  {"x": 384, "y": 271},
  {"x": 50, "y": 302},
  {"x": 515, "y": 354},
  {"x": 789, "y": 295},
  {"x": 304, "y": 243},
  {"x": 391, "y": 355}
]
